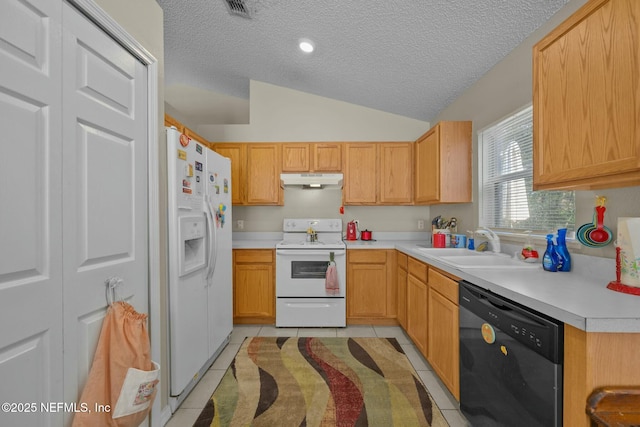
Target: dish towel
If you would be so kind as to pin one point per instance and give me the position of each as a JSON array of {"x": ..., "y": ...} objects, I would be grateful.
[{"x": 331, "y": 283}]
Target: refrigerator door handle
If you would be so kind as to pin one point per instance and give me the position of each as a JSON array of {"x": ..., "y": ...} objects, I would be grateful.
[
  {"x": 210, "y": 238},
  {"x": 213, "y": 244}
]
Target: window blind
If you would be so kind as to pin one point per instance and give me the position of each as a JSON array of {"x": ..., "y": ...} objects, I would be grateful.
[{"x": 506, "y": 179}]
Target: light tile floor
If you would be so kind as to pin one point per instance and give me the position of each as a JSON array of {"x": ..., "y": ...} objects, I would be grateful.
[{"x": 190, "y": 409}]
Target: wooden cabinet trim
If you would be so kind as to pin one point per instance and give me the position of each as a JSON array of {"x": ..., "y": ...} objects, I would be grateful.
[{"x": 171, "y": 121}]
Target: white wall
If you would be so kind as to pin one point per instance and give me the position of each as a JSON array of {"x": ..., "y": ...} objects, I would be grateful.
[
  {"x": 280, "y": 114},
  {"x": 508, "y": 87}
]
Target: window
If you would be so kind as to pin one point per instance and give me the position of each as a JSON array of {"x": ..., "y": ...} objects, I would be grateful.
[{"x": 507, "y": 200}]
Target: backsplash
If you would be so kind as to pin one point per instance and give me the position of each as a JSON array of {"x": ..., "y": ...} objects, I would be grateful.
[{"x": 299, "y": 203}]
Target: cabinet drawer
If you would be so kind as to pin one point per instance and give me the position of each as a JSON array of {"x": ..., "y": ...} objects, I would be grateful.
[
  {"x": 418, "y": 269},
  {"x": 443, "y": 284},
  {"x": 253, "y": 255},
  {"x": 401, "y": 259},
  {"x": 367, "y": 256}
]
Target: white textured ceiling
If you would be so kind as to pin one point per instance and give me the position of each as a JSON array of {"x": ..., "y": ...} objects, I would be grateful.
[{"x": 406, "y": 57}]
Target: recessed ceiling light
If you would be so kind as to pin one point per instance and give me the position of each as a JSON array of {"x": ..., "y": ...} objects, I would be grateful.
[{"x": 306, "y": 45}]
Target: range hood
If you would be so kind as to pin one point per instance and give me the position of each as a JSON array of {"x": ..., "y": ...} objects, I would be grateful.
[{"x": 311, "y": 180}]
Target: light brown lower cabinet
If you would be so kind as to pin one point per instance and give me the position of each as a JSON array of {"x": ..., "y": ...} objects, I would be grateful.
[
  {"x": 443, "y": 330},
  {"x": 595, "y": 359},
  {"x": 371, "y": 294},
  {"x": 431, "y": 308},
  {"x": 253, "y": 286},
  {"x": 417, "y": 304}
]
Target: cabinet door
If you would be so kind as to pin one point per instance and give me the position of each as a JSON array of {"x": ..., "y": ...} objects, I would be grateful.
[
  {"x": 360, "y": 175},
  {"x": 367, "y": 283},
  {"x": 263, "y": 174},
  {"x": 327, "y": 157},
  {"x": 295, "y": 157},
  {"x": 427, "y": 167},
  {"x": 443, "y": 164},
  {"x": 237, "y": 154},
  {"x": 253, "y": 290},
  {"x": 443, "y": 334},
  {"x": 417, "y": 313},
  {"x": 586, "y": 99},
  {"x": 253, "y": 286},
  {"x": 396, "y": 173},
  {"x": 367, "y": 290}
]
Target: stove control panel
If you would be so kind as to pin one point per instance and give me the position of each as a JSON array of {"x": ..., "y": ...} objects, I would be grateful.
[{"x": 301, "y": 225}]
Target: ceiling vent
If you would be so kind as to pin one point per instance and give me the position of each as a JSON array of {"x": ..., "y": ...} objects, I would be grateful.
[{"x": 244, "y": 8}]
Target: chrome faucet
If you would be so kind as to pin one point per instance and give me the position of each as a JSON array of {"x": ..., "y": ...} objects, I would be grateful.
[{"x": 492, "y": 238}]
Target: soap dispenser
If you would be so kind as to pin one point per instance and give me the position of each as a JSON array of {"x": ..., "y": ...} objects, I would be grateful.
[
  {"x": 564, "y": 259},
  {"x": 550, "y": 257}
]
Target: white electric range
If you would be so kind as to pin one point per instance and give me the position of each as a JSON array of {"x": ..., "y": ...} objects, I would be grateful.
[{"x": 302, "y": 299}]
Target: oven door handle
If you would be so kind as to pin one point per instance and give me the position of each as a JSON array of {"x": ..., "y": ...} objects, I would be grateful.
[{"x": 303, "y": 252}]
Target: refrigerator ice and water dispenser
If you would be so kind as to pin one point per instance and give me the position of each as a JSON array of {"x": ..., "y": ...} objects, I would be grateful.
[{"x": 192, "y": 244}]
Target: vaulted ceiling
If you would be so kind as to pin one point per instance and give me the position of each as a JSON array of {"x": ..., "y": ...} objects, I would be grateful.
[{"x": 406, "y": 57}]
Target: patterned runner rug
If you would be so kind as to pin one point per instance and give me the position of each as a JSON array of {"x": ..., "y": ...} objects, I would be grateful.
[{"x": 320, "y": 382}]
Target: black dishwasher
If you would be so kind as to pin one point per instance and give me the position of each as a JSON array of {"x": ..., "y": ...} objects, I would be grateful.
[{"x": 510, "y": 362}]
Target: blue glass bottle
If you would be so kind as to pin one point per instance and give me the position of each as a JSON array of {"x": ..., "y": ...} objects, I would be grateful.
[
  {"x": 550, "y": 258},
  {"x": 564, "y": 259}
]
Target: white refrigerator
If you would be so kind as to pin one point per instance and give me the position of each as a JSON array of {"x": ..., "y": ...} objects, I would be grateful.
[{"x": 200, "y": 257}]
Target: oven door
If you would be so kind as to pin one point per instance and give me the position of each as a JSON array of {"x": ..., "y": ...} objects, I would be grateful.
[{"x": 301, "y": 272}]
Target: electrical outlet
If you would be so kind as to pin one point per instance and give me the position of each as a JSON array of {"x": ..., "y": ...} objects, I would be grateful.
[
  {"x": 240, "y": 224},
  {"x": 421, "y": 224}
]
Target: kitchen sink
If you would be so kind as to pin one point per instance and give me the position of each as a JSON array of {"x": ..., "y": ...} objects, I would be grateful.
[
  {"x": 486, "y": 261},
  {"x": 442, "y": 252},
  {"x": 465, "y": 258}
]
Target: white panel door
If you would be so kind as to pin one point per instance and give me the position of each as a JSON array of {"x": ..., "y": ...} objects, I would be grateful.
[
  {"x": 104, "y": 186},
  {"x": 30, "y": 222}
]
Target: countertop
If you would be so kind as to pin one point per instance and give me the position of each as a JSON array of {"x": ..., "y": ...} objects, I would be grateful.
[{"x": 579, "y": 298}]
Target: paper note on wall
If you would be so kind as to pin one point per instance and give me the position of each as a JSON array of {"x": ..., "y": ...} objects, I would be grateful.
[{"x": 629, "y": 244}]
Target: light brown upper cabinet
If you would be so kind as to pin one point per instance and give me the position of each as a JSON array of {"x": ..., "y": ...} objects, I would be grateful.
[
  {"x": 327, "y": 157},
  {"x": 443, "y": 164},
  {"x": 360, "y": 174},
  {"x": 378, "y": 173},
  {"x": 395, "y": 173},
  {"x": 255, "y": 172},
  {"x": 263, "y": 174},
  {"x": 586, "y": 99},
  {"x": 312, "y": 157},
  {"x": 238, "y": 155}
]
